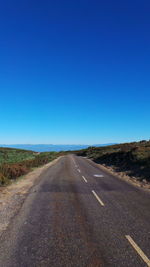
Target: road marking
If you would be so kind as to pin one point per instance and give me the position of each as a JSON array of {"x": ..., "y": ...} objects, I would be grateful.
[
  {"x": 74, "y": 162},
  {"x": 138, "y": 250},
  {"x": 84, "y": 179},
  {"x": 79, "y": 170},
  {"x": 97, "y": 197},
  {"x": 98, "y": 175}
]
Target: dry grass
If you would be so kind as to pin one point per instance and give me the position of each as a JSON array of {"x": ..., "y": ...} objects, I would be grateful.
[
  {"x": 11, "y": 170},
  {"x": 133, "y": 158}
]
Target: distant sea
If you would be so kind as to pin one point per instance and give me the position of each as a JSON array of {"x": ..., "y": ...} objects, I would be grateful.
[{"x": 47, "y": 148}]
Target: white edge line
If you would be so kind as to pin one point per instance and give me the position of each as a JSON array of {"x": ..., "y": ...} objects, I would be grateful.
[
  {"x": 84, "y": 179},
  {"x": 138, "y": 250},
  {"x": 97, "y": 197}
]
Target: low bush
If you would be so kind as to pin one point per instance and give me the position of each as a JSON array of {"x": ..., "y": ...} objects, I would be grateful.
[
  {"x": 131, "y": 157},
  {"x": 11, "y": 171},
  {"x": 3, "y": 180}
]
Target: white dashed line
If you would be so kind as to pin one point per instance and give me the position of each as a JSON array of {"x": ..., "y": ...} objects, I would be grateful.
[
  {"x": 84, "y": 179},
  {"x": 79, "y": 170},
  {"x": 98, "y": 175},
  {"x": 74, "y": 162},
  {"x": 97, "y": 197},
  {"x": 138, "y": 250}
]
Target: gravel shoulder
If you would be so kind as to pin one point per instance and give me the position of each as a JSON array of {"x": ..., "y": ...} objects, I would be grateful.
[{"x": 13, "y": 196}]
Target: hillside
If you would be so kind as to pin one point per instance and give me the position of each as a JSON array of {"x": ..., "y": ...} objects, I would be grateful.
[
  {"x": 11, "y": 155},
  {"x": 17, "y": 162},
  {"x": 132, "y": 158}
]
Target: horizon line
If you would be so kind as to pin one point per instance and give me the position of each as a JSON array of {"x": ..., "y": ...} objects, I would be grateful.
[{"x": 66, "y": 144}]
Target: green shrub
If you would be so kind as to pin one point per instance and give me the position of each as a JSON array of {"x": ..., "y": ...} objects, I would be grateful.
[{"x": 11, "y": 171}]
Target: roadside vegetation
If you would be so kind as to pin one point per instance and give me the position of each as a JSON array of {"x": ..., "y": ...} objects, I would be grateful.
[
  {"x": 132, "y": 158},
  {"x": 16, "y": 162}
]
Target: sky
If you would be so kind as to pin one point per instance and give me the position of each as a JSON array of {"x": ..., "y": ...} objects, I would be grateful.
[{"x": 74, "y": 72}]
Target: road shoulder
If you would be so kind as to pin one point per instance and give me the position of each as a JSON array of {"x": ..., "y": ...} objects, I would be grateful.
[{"x": 13, "y": 196}]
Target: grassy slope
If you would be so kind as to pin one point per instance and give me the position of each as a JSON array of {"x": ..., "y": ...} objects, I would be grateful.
[
  {"x": 10, "y": 155},
  {"x": 133, "y": 158},
  {"x": 17, "y": 162}
]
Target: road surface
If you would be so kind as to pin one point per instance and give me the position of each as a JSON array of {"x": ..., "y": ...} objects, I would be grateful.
[{"x": 79, "y": 215}]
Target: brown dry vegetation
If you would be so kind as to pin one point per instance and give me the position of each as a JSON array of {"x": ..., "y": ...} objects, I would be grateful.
[
  {"x": 133, "y": 158},
  {"x": 10, "y": 171}
]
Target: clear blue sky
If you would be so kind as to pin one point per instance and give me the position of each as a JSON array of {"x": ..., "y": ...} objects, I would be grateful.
[{"x": 74, "y": 71}]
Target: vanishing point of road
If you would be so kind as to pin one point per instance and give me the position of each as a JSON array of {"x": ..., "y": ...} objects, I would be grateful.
[{"x": 79, "y": 215}]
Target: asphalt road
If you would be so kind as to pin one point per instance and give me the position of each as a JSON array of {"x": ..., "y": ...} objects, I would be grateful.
[{"x": 79, "y": 215}]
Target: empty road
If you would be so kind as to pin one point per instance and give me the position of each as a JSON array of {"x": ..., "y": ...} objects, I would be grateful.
[{"x": 79, "y": 215}]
